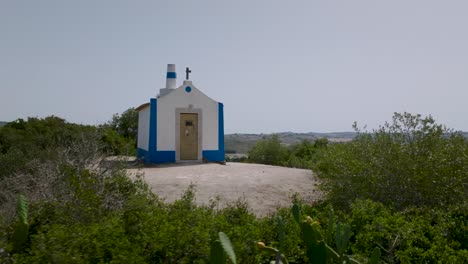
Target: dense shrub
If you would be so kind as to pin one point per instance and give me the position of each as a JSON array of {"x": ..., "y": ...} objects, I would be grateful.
[
  {"x": 35, "y": 155},
  {"x": 120, "y": 134},
  {"x": 410, "y": 162},
  {"x": 411, "y": 236},
  {"x": 269, "y": 151},
  {"x": 144, "y": 231},
  {"x": 272, "y": 152},
  {"x": 22, "y": 142},
  {"x": 305, "y": 154},
  {"x": 116, "y": 144}
]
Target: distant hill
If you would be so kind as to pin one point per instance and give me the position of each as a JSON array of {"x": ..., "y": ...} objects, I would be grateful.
[
  {"x": 241, "y": 143},
  {"x": 2, "y": 123}
]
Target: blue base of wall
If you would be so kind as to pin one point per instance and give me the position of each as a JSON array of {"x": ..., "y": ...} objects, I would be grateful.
[
  {"x": 213, "y": 155},
  {"x": 142, "y": 154},
  {"x": 156, "y": 156},
  {"x": 169, "y": 156},
  {"x": 162, "y": 156}
]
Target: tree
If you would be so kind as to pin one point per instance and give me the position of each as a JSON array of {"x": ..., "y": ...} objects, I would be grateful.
[
  {"x": 269, "y": 151},
  {"x": 126, "y": 124},
  {"x": 305, "y": 154},
  {"x": 120, "y": 134}
]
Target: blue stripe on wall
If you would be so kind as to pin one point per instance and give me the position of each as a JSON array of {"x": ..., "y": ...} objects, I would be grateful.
[
  {"x": 221, "y": 128},
  {"x": 153, "y": 125},
  {"x": 171, "y": 75},
  {"x": 153, "y": 155}
]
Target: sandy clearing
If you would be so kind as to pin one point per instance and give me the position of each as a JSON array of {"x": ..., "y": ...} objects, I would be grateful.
[{"x": 264, "y": 187}]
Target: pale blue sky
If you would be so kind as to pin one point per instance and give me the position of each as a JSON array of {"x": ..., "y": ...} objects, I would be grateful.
[{"x": 276, "y": 65}]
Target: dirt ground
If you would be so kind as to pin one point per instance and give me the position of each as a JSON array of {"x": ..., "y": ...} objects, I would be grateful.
[{"x": 264, "y": 187}]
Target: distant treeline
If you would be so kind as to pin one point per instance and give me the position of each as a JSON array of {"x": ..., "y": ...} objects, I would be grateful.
[
  {"x": 118, "y": 136},
  {"x": 242, "y": 143}
]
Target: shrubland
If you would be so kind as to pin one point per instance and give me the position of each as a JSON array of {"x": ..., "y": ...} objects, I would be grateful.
[
  {"x": 271, "y": 151},
  {"x": 409, "y": 178},
  {"x": 412, "y": 161},
  {"x": 401, "y": 189}
]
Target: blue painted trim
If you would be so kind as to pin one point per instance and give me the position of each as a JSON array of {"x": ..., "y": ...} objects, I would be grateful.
[
  {"x": 142, "y": 154},
  {"x": 213, "y": 155},
  {"x": 153, "y": 125},
  {"x": 163, "y": 156},
  {"x": 188, "y": 89},
  {"x": 156, "y": 156},
  {"x": 221, "y": 128},
  {"x": 153, "y": 155},
  {"x": 171, "y": 75},
  {"x": 217, "y": 155}
]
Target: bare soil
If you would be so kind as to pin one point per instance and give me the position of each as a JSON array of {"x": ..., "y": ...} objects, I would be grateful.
[{"x": 263, "y": 187}]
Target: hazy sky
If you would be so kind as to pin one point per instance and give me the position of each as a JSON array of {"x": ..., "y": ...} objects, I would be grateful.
[{"x": 276, "y": 65}]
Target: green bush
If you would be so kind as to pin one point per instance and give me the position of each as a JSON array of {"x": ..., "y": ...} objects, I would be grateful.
[
  {"x": 411, "y": 236},
  {"x": 269, "y": 151},
  {"x": 272, "y": 152},
  {"x": 305, "y": 154},
  {"x": 94, "y": 243},
  {"x": 116, "y": 144},
  {"x": 120, "y": 134},
  {"x": 411, "y": 162},
  {"x": 22, "y": 142}
]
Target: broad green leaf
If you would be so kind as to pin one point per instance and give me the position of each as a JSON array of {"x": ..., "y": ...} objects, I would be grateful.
[
  {"x": 317, "y": 254},
  {"x": 217, "y": 254},
  {"x": 227, "y": 246},
  {"x": 375, "y": 256},
  {"x": 296, "y": 211}
]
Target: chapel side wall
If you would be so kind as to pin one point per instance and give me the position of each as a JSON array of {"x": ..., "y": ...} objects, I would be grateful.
[
  {"x": 210, "y": 128},
  {"x": 165, "y": 140},
  {"x": 143, "y": 128},
  {"x": 180, "y": 99}
]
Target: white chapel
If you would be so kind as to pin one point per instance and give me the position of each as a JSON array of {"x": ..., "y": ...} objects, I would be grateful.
[{"x": 180, "y": 124}]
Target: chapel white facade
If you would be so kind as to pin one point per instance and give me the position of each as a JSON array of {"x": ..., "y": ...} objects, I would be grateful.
[{"x": 180, "y": 124}]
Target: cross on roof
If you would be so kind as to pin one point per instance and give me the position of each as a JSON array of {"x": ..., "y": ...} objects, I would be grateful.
[{"x": 187, "y": 71}]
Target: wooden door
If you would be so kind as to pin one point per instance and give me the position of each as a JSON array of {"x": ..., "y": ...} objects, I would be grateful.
[{"x": 188, "y": 136}]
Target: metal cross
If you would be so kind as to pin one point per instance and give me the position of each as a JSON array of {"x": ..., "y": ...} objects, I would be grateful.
[{"x": 187, "y": 71}]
